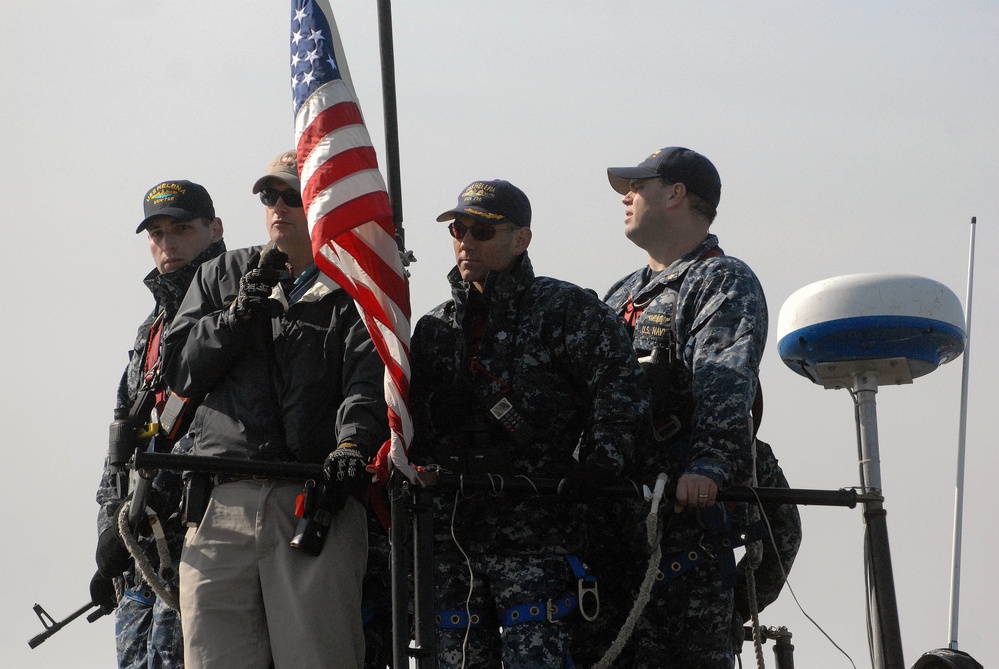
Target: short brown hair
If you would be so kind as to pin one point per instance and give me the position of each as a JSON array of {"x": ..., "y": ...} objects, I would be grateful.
[{"x": 698, "y": 204}]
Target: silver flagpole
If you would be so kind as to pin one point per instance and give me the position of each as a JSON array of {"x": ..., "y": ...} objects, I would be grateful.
[{"x": 955, "y": 576}]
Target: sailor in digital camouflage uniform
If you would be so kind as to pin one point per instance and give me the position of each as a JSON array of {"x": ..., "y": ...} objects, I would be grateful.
[
  {"x": 183, "y": 233},
  {"x": 511, "y": 376},
  {"x": 698, "y": 320}
]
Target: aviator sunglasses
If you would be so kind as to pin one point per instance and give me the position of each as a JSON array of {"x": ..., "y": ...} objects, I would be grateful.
[
  {"x": 480, "y": 231},
  {"x": 269, "y": 197}
]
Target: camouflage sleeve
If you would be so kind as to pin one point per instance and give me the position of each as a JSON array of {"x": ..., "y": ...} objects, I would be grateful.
[
  {"x": 123, "y": 396},
  {"x": 727, "y": 330},
  {"x": 107, "y": 495},
  {"x": 600, "y": 358},
  {"x": 107, "y": 498}
]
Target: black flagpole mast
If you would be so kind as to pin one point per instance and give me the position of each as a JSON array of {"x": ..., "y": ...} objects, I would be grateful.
[
  {"x": 399, "y": 492},
  {"x": 391, "y": 118}
]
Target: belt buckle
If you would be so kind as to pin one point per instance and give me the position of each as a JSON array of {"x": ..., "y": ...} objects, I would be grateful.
[
  {"x": 708, "y": 548},
  {"x": 583, "y": 591}
]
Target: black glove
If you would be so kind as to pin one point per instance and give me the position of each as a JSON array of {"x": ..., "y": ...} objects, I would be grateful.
[
  {"x": 163, "y": 505},
  {"x": 102, "y": 593},
  {"x": 273, "y": 258},
  {"x": 587, "y": 482},
  {"x": 256, "y": 285},
  {"x": 112, "y": 556},
  {"x": 345, "y": 471}
]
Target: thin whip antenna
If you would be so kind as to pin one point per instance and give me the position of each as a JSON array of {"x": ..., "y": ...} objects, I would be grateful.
[{"x": 955, "y": 575}]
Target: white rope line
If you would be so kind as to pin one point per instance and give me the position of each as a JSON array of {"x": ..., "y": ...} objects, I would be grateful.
[
  {"x": 162, "y": 589},
  {"x": 754, "y": 611},
  {"x": 651, "y": 572}
]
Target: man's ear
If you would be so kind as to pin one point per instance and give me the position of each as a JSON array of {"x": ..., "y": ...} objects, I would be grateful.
[
  {"x": 677, "y": 193},
  {"x": 216, "y": 226},
  {"x": 522, "y": 239}
]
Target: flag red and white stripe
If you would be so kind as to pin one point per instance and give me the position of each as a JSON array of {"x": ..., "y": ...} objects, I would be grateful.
[{"x": 350, "y": 216}]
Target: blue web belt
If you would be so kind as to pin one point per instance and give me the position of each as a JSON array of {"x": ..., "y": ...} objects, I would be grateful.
[
  {"x": 718, "y": 546},
  {"x": 550, "y": 610}
]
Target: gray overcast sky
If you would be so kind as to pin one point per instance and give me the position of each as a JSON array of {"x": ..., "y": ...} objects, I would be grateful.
[{"x": 850, "y": 137}]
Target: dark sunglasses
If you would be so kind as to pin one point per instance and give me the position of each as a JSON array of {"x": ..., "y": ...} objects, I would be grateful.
[
  {"x": 480, "y": 231},
  {"x": 269, "y": 197}
]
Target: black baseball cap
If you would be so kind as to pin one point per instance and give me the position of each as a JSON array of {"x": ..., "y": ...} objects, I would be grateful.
[
  {"x": 492, "y": 202},
  {"x": 675, "y": 164},
  {"x": 183, "y": 200}
]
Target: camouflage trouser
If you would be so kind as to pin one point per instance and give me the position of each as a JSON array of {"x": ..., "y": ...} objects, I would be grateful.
[
  {"x": 147, "y": 632},
  {"x": 377, "y": 619},
  {"x": 687, "y": 622},
  {"x": 376, "y": 599},
  {"x": 618, "y": 584},
  {"x": 499, "y": 584}
]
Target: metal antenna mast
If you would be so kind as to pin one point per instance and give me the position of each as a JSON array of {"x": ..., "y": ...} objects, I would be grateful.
[{"x": 955, "y": 573}]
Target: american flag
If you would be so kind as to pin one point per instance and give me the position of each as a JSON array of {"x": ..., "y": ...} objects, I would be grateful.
[{"x": 350, "y": 217}]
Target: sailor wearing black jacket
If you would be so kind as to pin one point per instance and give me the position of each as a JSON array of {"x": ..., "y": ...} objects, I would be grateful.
[{"x": 288, "y": 373}]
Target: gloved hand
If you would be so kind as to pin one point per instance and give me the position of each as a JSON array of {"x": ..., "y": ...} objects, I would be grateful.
[
  {"x": 256, "y": 285},
  {"x": 587, "y": 482},
  {"x": 163, "y": 505},
  {"x": 102, "y": 593},
  {"x": 112, "y": 556},
  {"x": 345, "y": 470}
]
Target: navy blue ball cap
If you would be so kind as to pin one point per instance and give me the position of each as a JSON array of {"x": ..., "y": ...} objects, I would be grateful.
[
  {"x": 492, "y": 202},
  {"x": 183, "y": 200},
  {"x": 675, "y": 164}
]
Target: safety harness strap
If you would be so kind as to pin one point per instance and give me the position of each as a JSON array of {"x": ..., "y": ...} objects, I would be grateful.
[
  {"x": 142, "y": 594},
  {"x": 449, "y": 619},
  {"x": 551, "y": 610},
  {"x": 559, "y": 607},
  {"x": 718, "y": 546}
]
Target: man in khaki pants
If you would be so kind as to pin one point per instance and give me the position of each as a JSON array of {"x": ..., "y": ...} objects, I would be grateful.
[{"x": 289, "y": 374}]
